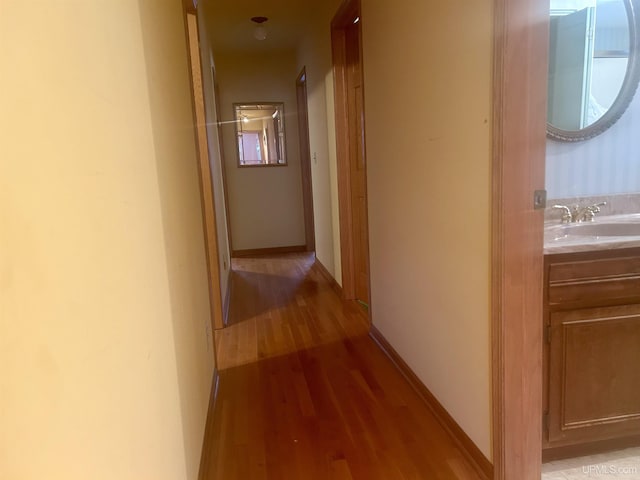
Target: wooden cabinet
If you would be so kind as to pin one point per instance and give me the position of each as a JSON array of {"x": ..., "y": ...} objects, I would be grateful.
[{"x": 592, "y": 351}]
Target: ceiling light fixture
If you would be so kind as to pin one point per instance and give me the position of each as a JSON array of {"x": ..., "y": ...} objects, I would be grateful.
[{"x": 260, "y": 32}]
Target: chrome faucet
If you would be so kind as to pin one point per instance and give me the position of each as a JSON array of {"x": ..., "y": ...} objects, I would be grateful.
[
  {"x": 579, "y": 214},
  {"x": 587, "y": 214},
  {"x": 567, "y": 215}
]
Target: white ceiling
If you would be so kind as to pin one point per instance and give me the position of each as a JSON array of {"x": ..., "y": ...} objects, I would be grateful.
[{"x": 230, "y": 27}]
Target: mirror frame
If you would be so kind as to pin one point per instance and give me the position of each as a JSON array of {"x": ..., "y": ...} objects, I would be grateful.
[
  {"x": 280, "y": 107},
  {"x": 626, "y": 94}
]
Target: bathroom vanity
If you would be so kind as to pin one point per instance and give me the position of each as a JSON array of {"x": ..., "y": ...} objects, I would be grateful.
[
  {"x": 591, "y": 337},
  {"x": 591, "y": 320}
]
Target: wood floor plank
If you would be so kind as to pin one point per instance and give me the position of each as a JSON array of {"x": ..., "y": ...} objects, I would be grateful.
[{"x": 305, "y": 394}]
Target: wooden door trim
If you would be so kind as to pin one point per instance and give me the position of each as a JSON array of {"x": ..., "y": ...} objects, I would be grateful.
[
  {"x": 341, "y": 19},
  {"x": 204, "y": 171},
  {"x": 305, "y": 161},
  {"x": 190, "y": 6},
  {"x": 519, "y": 141}
]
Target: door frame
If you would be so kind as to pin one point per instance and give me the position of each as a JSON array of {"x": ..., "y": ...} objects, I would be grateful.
[
  {"x": 519, "y": 144},
  {"x": 343, "y": 17},
  {"x": 192, "y": 32},
  {"x": 305, "y": 159}
]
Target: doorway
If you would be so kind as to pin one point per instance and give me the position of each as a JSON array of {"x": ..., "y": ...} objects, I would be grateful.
[
  {"x": 204, "y": 169},
  {"x": 352, "y": 172},
  {"x": 305, "y": 160}
]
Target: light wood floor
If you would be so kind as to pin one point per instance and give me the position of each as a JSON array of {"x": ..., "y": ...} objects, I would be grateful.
[{"x": 305, "y": 394}]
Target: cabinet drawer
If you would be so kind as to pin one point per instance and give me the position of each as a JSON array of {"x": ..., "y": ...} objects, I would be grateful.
[{"x": 594, "y": 280}]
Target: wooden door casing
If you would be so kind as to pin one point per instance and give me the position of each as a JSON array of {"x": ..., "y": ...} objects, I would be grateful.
[
  {"x": 357, "y": 163},
  {"x": 350, "y": 148},
  {"x": 204, "y": 170}
]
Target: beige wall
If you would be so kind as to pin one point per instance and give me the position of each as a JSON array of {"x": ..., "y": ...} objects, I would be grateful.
[
  {"x": 429, "y": 192},
  {"x": 429, "y": 187},
  {"x": 314, "y": 53},
  {"x": 104, "y": 348},
  {"x": 265, "y": 203},
  {"x": 215, "y": 156}
]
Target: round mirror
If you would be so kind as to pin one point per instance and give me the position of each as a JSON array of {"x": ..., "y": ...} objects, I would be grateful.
[{"x": 593, "y": 69}]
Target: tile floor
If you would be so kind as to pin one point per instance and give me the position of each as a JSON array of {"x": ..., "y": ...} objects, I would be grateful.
[{"x": 623, "y": 464}]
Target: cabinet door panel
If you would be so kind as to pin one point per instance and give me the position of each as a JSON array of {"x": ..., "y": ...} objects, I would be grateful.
[{"x": 594, "y": 389}]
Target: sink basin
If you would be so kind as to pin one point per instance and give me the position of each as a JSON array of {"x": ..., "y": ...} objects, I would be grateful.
[
  {"x": 612, "y": 231},
  {"x": 602, "y": 229}
]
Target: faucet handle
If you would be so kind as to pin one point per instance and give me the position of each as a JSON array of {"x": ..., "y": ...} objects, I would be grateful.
[
  {"x": 591, "y": 210},
  {"x": 567, "y": 214}
]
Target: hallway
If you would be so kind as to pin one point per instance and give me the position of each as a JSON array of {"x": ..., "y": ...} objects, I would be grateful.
[{"x": 304, "y": 393}]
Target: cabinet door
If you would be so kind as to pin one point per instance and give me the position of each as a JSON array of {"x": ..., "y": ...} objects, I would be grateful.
[{"x": 594, "y": 374}]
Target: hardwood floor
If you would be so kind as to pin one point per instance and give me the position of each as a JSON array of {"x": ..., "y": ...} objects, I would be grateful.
[{"x": 305, "y": 394}]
